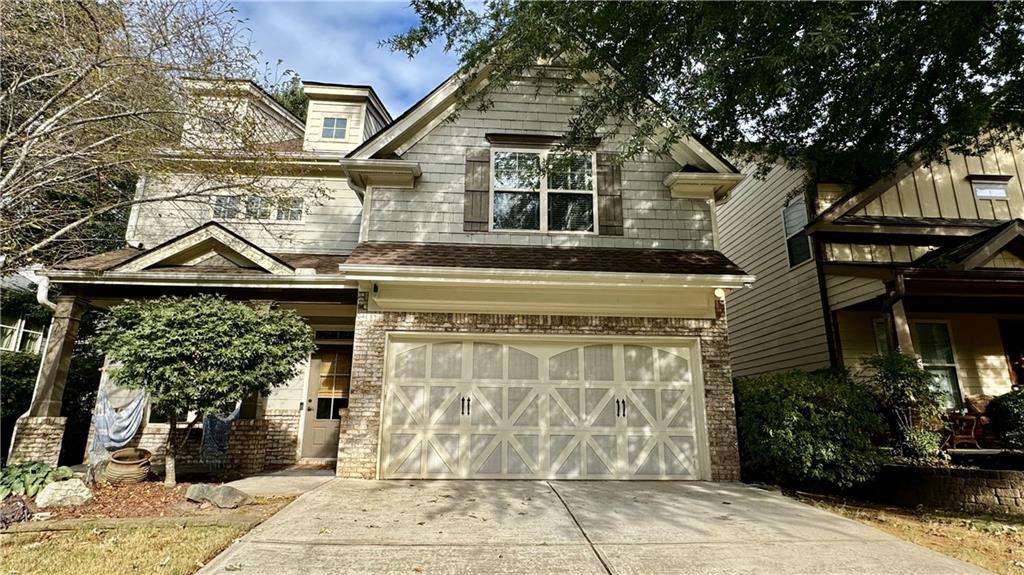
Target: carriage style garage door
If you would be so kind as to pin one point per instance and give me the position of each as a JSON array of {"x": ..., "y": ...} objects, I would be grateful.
[{"x": 527, "y": 408}]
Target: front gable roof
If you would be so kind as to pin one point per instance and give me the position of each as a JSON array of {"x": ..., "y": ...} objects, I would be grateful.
[
  {"x": 440, "y": 103},
  {"x": 206, "y": 247}
]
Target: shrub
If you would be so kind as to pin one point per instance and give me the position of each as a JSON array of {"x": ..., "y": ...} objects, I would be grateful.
[
  {"x": 29, "y": 478},
  {"x": 1007, "y": 415},
  {"x": 911, "y": 404},
  {"x": 812, "y": 430},
  {"x": 18, "y": 370}
]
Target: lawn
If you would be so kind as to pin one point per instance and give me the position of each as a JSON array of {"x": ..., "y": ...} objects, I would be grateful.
[
  {"x": 163, "y": 550},
  {"x": 135, "y": 528},
  {"x": 995, "y": 543}
]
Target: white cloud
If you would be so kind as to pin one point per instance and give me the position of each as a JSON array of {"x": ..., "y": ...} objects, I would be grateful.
[{"x": 338, "y": 41}]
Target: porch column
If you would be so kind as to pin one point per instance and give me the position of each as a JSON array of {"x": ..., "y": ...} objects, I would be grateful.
[
  {"x": 902, "y": 327},
  {"x": 39, "y": 432}
]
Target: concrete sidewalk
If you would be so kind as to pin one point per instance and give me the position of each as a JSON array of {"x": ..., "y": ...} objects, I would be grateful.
[
  {"x": 291, "y": 481},
  {"x": 536, "y": 527}
]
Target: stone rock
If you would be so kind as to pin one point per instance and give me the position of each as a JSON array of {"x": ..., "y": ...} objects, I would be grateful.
[
  {"x": 223, "y": 496},
  {"x": 227, "y": 497},
  {"x": 64, "y": 494},
  {"x": 198, "y": 492}
]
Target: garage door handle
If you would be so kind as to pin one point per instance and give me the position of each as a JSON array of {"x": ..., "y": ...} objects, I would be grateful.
[
  {"x": 618, "y": 407},
  {"x": 469, "y": 405},
  {"x": 623, "y": 408},
  {"x": 462, "y": 411}
]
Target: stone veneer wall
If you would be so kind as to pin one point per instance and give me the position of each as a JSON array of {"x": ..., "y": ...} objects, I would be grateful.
[
  {"x": 282, "y": 436},
  {"x": 360, "y": 430},
  {"x": 37, "y": 439},
  {"x": 964, "y": 489}
]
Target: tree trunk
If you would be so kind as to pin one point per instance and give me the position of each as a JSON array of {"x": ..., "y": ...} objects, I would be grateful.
[{"x": 170, "y": 476}]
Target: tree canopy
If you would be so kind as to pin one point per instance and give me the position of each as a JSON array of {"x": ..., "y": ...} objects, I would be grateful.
[
  {"x": 844, "y": 89},
  {"x": 202, "y": 354}
]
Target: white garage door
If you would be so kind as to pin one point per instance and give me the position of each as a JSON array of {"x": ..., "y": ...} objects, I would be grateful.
[{"x": 526, "y": 409}]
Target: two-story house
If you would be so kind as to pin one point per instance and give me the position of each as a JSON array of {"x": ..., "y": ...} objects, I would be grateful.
[
  {"x": 929, "y": 260},
  {"x": 479, "y": 311}
]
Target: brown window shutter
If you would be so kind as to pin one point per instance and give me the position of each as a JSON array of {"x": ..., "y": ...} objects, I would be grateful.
[
  {"x": 609, "y": 194},
  {"x": 475, "y": 209}
]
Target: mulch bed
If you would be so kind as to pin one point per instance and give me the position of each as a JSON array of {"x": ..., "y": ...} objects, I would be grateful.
[{"x": 146, "y": 499}]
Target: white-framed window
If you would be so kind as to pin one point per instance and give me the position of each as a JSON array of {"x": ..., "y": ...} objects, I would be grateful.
[
  {"x": 794, "y": 219},
  {"x": 289, "y": 209},
  {"x": 935, "y": 345},
  {"x": 21, "y": 334},
  {"x": 255, "y": 208},
  {"x": 527, "y": 197},
  {"x": 989, "y": 190},
  {"x": 334, "y": 128}
]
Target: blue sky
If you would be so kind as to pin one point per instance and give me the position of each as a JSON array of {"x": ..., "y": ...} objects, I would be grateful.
[{"x": 337, "y": 41}]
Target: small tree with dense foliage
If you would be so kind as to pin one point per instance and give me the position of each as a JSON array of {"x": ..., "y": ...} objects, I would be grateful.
[
  {"x": 911, "y": 403},
  {"x": 817, "y": 429},
  {"x": 201, "y": 354}
]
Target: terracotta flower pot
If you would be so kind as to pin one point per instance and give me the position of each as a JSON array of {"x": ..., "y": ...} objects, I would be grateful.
[{"x": 128, "y": 465}]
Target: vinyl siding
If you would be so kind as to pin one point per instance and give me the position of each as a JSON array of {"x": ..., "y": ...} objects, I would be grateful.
[
  {"x": 320, "y": 109},
  {"x": 778, "y": 323},
  {"x": 942, "y": 190},
  {"x": 844, "y": 291},
  {"x": 433, "y": 211},
  {"x": 330, "y": 224}
]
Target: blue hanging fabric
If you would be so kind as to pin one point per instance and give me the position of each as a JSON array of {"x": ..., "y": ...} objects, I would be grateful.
[
  {"x": 114, "y": 428},
  {"x": 216, "y": 436}
]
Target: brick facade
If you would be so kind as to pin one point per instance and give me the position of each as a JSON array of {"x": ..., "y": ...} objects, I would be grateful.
[
  {"x": 282, "y": 436},
  {"x": 360, "y": 430},
  {"x": 37, "y": 439}
]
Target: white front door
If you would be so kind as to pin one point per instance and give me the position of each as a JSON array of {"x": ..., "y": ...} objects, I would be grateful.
[
  {"x": 326, "y": 396},
  {"x": 525, "y": 409}
]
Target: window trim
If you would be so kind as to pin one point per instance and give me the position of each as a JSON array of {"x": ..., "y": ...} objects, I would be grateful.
[
  {"x": 243, "y": 217},
  {"x": 959, "y": 400},
  {"x": 543, "y": 190},
  {"x": 323, "y": 126},
  {"x": 787, "y": 236}
]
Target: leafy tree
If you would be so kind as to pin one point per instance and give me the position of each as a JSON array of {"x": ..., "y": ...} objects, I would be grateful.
[
  {"x": 288, "y": 92},
  {"x": 201, "y": 354},
  {"x": 912, "y": 405},
  {"x": 96, "y": 94},
  {"x": 843, "y": 89}
]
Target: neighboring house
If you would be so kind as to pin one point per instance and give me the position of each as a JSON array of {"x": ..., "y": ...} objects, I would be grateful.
[
  {"x": 475, "y": 317},
  {"x": 20, "y": 331},
  {"x": 929, "y": 260}
]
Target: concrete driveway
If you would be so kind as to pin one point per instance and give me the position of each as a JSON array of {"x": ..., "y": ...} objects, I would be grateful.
[{"x": 537, "y": 527}]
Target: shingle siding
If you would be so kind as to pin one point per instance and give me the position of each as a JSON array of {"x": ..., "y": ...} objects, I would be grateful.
[{"x": 433, "y": 211}]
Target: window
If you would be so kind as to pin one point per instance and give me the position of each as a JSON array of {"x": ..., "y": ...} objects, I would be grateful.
[
  {"x": 883, "y": 343},
  {"x": 236, "y": 207},
  {"x": 289, "y": 209},
  {"x": 32, "y": 335},
  {"x": 334, "y": 128},
  {"x": 526, "y": 198},
  {"x": 257, "y": 208},
  {"x": 936, "y": 349},
  {"x": 9, "y": 332},
  {"x": 334, "y": 334},
  {"x": 794, "y": 218},
  {"x": 226, "y": 207},
  {"x": 989, "y": 190},
  {"x": 332, "y": 392}
]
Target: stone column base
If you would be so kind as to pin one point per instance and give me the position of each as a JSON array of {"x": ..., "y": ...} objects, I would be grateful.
[{"x": 37, "y": 439}]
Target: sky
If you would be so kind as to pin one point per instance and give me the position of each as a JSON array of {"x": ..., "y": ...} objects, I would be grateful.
[{"x": 338, "y": 41}]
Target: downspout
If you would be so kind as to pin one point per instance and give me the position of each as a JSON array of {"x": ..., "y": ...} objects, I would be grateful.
[{"x": 43, "y": 292}]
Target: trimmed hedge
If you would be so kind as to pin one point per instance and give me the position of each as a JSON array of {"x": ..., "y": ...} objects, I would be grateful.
[
  {"x": 1007, "y": 415},
  {"x": 809, "y": 430}
]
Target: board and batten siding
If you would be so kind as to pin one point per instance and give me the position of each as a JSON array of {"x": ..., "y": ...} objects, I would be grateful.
[
  {"x": 330, "y": 224},
  {"x": 943, "y": 190},
  {"x": 778, "y": 323},
  {"x": 433, "y": 211}
]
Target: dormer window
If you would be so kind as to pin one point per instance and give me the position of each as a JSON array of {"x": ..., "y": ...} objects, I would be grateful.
[{"x": 334, "y": 128}]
